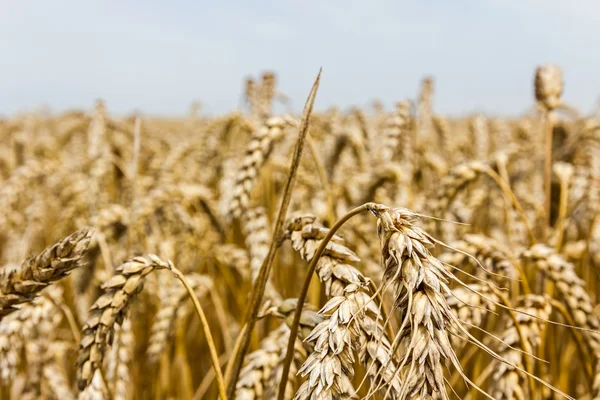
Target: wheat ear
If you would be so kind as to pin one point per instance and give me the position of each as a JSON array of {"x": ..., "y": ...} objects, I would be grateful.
[
  {"x": 258, "y": 151},
  {"x": 351, "y": 318},
  {"x": 109, "y": 308},
  {"x": 23, "y": 283}
]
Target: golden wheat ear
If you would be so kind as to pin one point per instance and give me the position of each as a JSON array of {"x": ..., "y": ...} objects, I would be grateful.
[{"x": 21, "y": 284}]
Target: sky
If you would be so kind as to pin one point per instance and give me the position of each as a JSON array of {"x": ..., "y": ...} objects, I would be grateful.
[{"x": 159, "y": 56}]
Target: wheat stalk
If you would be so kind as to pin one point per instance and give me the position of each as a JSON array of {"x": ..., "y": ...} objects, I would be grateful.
[{"x": 164, "y": 321}]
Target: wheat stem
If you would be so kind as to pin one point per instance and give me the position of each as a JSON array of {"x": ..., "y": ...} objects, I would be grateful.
[
  {"x": 263, "y": 275},
  {"x": 214, "y": 357},
  {"x": 581, "y": 347}
]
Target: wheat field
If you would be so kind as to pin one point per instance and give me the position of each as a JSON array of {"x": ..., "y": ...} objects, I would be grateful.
[{"x": 366, "y": 253}]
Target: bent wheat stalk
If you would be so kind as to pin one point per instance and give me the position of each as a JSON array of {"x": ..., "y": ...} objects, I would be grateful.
[{"x": 205, "y": 328}]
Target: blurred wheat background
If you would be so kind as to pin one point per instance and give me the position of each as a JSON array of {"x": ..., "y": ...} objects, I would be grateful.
[{"x": 252, "y": 248}]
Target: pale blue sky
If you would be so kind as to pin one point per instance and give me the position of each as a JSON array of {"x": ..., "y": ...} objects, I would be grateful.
[{"x": 159, "y": 56}]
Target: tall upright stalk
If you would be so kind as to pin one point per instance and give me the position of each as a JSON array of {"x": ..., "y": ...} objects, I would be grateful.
[{"x": 243, "y": 340}]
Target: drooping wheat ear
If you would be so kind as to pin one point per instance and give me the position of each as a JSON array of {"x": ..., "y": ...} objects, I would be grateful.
[
  {"x": 263, "y": 368},
  {"x": 571, "y": 288},
  {"x": 475, "y": 249},
  {"x": 508, "y": 383},
  {"x": 420, "y": 281},
  {"x": 468, "y": 304},
  {"x": 169, "y": 198},
  {"x": 110, "y": 308},
  {"x": 168, "y": 168},
  {"x": 573, "y": 293},
  {"x": 23, "y": 283},
  {"x": 258, "y": 151},
  {"x": 164, "y": 321},
  {"x": 351, "y": 322},
  {"x": 258, "y": 238},
  {"x": 390, "y": 173},
  {"x": 342, "y": 141},
  {"x": 117, "y": 366}
]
